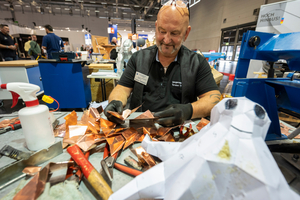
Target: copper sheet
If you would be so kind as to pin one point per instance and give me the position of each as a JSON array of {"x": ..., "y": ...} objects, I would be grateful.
[
  {"x": 203, "y": 122},
  {"x": 86, "y": 142},
  {"x": 167, "y": 138},
  {"x": 115, "y": 132},
  {"x": 116, "y": 115},
  {"x": 60, "y": 130},
  {"x": 152, "y": 132},
  {"x": 71, "y": 119},
  {"x": 32, "y": 170},
  {"x": 100, "y": 109},
  {"x": 35, "y": 187},
  {"x": 144, "y": 115},
  {"x": 106, "y": 126},
  {"x": 6, "y": 122},
  {"x": 126, "y": 113},
  {"x": 92, "y": 128},
  {"x": 94, "y": 113},
  {"x": 129, "y": 136},
  {"x": 72, "y": 140},
  {"x": 144, "y": 157},
  {"x": 135, "y": 109},
  {"x": 115, "y": 144},
  {"x": 85, "y": 117},
  {"x": 163, "y": 131}
]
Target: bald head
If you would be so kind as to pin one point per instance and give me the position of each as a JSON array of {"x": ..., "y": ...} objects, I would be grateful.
[{"x": 172, "y": 27}]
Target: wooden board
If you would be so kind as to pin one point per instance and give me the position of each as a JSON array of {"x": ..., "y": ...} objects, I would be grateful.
[
  {"x": 101, "y": 66},
  {"x": 19, "y": 63},
  {"x": 100, "y": 41}
]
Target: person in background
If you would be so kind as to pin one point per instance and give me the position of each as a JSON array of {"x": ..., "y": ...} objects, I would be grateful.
[
  {"x": 35, "y": 49},
  {"x": 82, "y": 48},
  {"x": 67, "y": 47},
  {"x": 51, "y": 42},
  {"x": 113, "y": 41},
  {"x": 167, "y": 78},
  {"x": 133, "y": 43},
  {"x": 7, "y": 46},
  {"x": 27, "y": 46}
]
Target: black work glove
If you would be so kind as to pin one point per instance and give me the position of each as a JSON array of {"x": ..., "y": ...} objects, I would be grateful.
[
  {"x": 115, "y": 106},
  {"x": 174, "y": 114}
]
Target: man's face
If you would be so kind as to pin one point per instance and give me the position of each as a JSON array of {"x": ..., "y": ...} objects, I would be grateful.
[
  {"x": 34, "y": 38},
  {"x": 5, "y": 30},
  {"x": 171, "y": 31}
]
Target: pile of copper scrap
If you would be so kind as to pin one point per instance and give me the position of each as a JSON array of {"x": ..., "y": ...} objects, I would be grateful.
[
  {"x": 145, "y": 159},
  {"x": 203, "y": 122},
  {"x": 99, "y": 130}
]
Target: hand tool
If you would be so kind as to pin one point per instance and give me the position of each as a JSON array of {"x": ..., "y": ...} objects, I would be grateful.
[
  {"x": 14, "y": 170},
  {"x": 10, "y": 127},
  {"x": 93, "y": 177},
  {"x": 13, "y": 153},
  {"x": 74, "y": 172},
  {"x": 109, "y": 162},
  {"x": 147, "y": 122}
]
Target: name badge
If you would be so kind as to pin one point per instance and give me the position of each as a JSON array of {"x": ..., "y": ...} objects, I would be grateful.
[{"x": 141, "y": 78}]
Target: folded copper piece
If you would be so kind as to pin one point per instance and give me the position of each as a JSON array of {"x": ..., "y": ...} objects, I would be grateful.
[
  {"x": 71, "y": 119},
  {"x": 88, "y": 140},
  {"x": 94, "y": 113},
  {"x": 32, "y": 170},
  {"x": 163, "y": 131},
  {"x": 129, "y": 136},
  {"x": 167, "y": 138},
  {"x": 100, "y": 109},
  {"x": 60, "y": 130},
  {"x": 147, "y": 114},
  {"x": 85, "y": 117},
  {"x": 6, "y": 122},
  {"x": 72, "y": 140},
  {"x": 92, "y": 128},
  {"x": 35, "y": 187},
  {"x": 186, "y": 132},
  {"x": 150, "y": 131},
  {"x": 117, "y": 115},
  {"x": 203, "y": 122},
  {"x": 106, "y": 126},
  {"x": 126, "y": 113},
  {"x": 115, "y": 144},
  {"x": 115, "y": 132},
  {"x": 144, "y": 157},
  {"x": 135, "y": 109},
  {"x": 139, "y": 136}
]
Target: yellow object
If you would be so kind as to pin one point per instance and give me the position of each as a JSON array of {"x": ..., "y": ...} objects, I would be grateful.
[
  {"x": 48, "y": 99},
  {"x": 225, "y": 151}
]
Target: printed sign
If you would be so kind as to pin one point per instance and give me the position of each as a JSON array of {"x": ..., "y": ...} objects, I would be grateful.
[{"x": 271, "y": 15}]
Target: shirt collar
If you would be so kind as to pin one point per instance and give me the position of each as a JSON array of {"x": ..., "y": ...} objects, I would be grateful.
[{"x": 158, "y": 59}]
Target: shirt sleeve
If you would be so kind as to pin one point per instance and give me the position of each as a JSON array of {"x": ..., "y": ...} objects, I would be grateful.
[
  {"x": 127, "y": 78},
  {"x": 62, "y": 43},
  {"x": 205, "y": 80},
  {"x": 44, "y": 42}
]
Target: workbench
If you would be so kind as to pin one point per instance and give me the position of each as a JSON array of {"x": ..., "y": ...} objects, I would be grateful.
[
  {"x": 16, "y": 139},
  {"x": 26, "y": 71}
]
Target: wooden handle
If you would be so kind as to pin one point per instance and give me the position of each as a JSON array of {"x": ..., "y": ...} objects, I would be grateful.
[{"x": 94, "y": 178}]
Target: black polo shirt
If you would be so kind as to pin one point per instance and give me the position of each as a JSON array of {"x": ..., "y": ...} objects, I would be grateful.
[
  {"x": 7, "y": 41},
  {"x": 162, "y": 89}
]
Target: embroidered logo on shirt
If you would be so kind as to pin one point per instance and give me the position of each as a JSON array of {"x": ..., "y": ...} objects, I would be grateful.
[{"x": 176, "y": 84}]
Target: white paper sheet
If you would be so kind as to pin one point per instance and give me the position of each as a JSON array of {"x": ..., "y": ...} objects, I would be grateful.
[
  {"x": 227, "y": 159},
  {"x": 76, "y": 130}
]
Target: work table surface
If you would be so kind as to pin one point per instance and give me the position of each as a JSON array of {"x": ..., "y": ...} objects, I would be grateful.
[
  {"x": 16, "y": 139},
  {"x": 19, "y": 63}
]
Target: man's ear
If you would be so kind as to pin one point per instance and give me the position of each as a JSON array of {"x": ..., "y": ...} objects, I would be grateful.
[{"x": 187, "y": 32}]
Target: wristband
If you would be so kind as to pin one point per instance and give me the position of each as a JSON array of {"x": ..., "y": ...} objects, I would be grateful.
[{"x": 6, "y": 46}]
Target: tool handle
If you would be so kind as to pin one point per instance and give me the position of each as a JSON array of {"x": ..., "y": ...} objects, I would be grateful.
[
  {"x": 127, "y": 170},
  {"x": 93, "y": 177}
]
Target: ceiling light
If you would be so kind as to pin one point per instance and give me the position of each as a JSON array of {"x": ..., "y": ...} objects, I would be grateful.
[
  {"x": 125, "y": 4},
  {"x": 156, "y": 8},
  {"x": 103, "y": 2},
  {"x": 69, "y": 30},
  {"x": 18, "y": 5},
  {"x": 77, "y": 9},
  {"x": 150, "y": 15},
  {"x": 117, "y": 24},
  {"x": 114, "y": 4},
  {"x": 60, "y": 30},
  {"x": 87, "y": 10},
  {"x": 6, "y": 4},
  {"x": 105, "y": 11},
  {"x": 82, "y": 30},
  {"x": 92, "y": 2},
  {"x": 143, "y": 31},
  {"x": 136, "y": 6},
  {"x": 124, "y": 13},
  {"x": 139, "y": 25},
  {"x": 77, "y": 30},
  {"x": 96, "y": 10},
  {"x": 68, "y": 0},
  {"x": 124, "y": 29},
  {"x": 53, "y": 29},
  {"x": 133, "y": 13},
  {"x": 40, "y": 27},
  {"x": 67, "y": 8},
  {"x": 27, "y": 6},
  {"x": 57, "y": 8}
]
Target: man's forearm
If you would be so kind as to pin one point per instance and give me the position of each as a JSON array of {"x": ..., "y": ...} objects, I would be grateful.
[
  {"x": 206, "y": 102},
  {"x": 3, "y": 46},
  {"x": 120, "y": 93}
]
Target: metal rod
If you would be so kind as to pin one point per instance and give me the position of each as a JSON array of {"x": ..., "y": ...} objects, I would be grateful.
[
  {"x": 294, "y": 133},
  {"x": 12, "y": 181}
]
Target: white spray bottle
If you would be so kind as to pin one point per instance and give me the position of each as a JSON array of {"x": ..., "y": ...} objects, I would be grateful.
[{"x": 35, "y": 118}]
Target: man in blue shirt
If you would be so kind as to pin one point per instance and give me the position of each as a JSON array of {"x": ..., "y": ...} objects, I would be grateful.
[{"x": 51, "y": 42}]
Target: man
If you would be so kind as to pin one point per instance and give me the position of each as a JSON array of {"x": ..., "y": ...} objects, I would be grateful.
[
  {"x": 7, "y": 45},
  {"x": 113, "y": 41},
  {"x": 167, "y": 78},
  {"x": 67, "y": 47},
  {"x": 35, "y": 49},
  {"x": 51, "y": 42},
  {"x": 27, "y": 46}
]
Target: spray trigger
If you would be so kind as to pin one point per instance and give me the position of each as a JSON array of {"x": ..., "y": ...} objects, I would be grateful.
[{"x": 15, "y": 97}]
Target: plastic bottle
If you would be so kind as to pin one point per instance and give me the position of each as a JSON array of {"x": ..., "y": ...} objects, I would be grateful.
[
  {"x": 228, "y": 88},
  {"x": 34, "y": 118}
]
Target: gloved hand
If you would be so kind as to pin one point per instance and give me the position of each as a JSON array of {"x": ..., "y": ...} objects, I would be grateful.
[
  {"x": 174, "y": 114},
  {"x": 115, "y": 106}
]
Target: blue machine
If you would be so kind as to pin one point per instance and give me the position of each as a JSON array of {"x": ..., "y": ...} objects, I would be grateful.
[
  {"x": 213, "y": 56},
  {"x": 66, "y": 82},
  {"x": 272, "y": 93}
]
